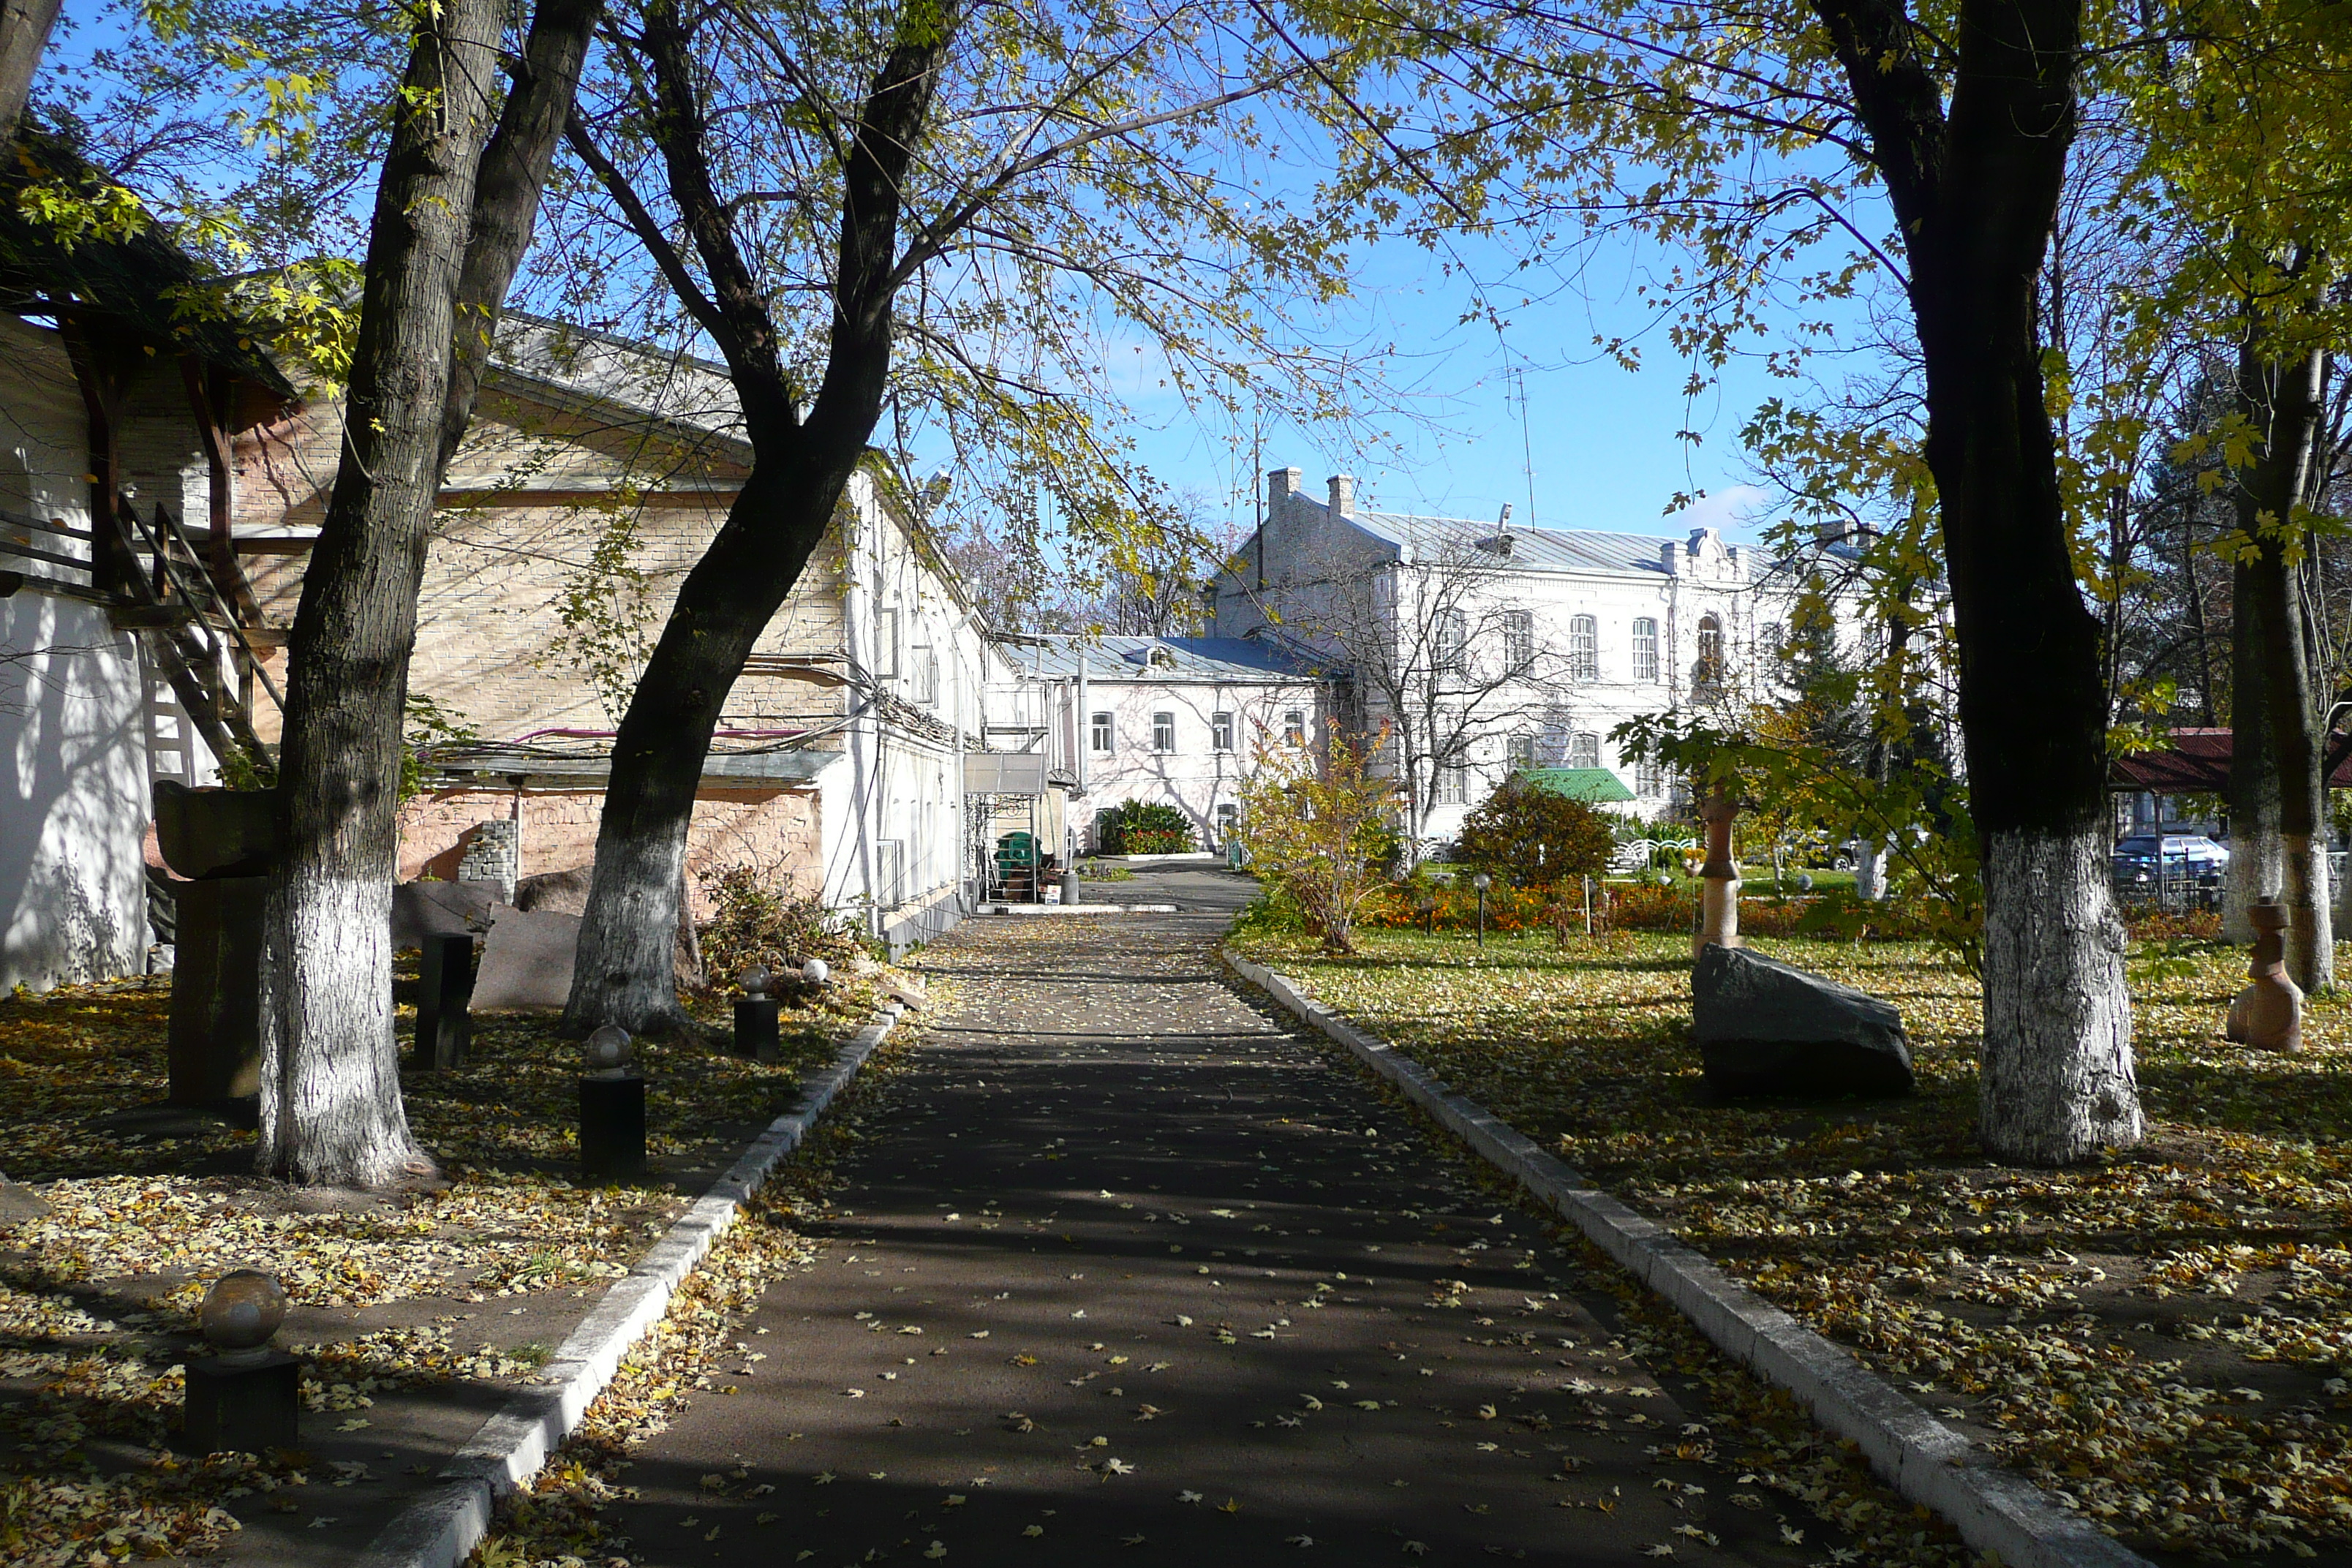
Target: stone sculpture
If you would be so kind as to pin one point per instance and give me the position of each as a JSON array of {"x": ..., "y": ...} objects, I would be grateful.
[{"x": 2269, "y": 1012}]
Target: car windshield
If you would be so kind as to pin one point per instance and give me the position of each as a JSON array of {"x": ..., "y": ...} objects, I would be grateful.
[{"x": 2136, "y": 845}]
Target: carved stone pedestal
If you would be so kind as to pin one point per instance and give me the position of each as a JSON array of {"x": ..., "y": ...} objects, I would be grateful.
[
  {"x": 2269, "y": 1012},
  {"x": 1718, "y": 910},
  {"x": 444, "y": 1024}
]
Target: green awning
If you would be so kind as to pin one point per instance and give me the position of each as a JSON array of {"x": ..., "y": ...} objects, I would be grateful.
[{"x": 1593, "y": 785}]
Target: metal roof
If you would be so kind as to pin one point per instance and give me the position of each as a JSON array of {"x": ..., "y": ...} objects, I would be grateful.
[
  {"x": 1163, "y": 659},
  {"x": 1578, "y": 783},
  {"x": 1531, "y": 549}
]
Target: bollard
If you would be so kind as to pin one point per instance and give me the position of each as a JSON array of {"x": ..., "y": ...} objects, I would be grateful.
[
  {"x": 756, "y": 1028},
  {"x": 612, "y": 1110},
  {"x": 445, "y": 1025},
  {"x": 245, "y": 1398}
]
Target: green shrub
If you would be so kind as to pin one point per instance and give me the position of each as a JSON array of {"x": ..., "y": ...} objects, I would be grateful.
[
  {"x": 1530, "y": 835},
  {"x": 1138, "y": 827}
]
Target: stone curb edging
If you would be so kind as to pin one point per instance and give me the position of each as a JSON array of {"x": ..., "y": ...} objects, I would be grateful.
[
  {"x": 1003, "y": 908},
  {"x": 1993, "y": 1509},
  {"x": 440, "y": 1529}
]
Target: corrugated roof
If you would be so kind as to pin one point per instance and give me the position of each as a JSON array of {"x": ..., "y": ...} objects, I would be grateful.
[
  {"x": 1118, "y": 658},
  {"x": 1531, "y": 549}
]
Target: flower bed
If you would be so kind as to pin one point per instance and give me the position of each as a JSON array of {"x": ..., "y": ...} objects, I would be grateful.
[{"x": 2163, "y": 1337}]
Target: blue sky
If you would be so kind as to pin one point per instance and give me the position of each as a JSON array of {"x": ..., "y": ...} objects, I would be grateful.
[{"x": 1602, "y": 440}]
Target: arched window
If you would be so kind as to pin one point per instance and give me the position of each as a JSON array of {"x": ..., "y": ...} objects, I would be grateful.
[
  {"x": 1583, "y": 648},
  {"x": 1646, "y": 649},
  {"x": 1708, "y": 673}
]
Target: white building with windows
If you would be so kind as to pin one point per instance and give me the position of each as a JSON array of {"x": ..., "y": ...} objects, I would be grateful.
[
  {"x": 1175, "y": 720},
  {"x": 1491, "y": 647}
]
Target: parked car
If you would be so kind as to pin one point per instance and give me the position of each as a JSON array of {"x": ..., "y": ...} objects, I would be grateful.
[{"x": 2190, "y": 855}]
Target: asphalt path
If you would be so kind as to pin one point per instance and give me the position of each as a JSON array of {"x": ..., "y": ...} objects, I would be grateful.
[{"x": 1124, "y": 1270}]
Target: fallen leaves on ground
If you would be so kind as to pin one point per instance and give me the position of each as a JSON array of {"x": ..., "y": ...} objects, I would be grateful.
[{"x": 2103, "y": 1328}]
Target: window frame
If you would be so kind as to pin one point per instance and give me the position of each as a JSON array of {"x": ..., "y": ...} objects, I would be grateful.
[
  {"x": 1646, "y": 649},
  {"x": 1518, "y": 639},
  {"x": 1221, "y": 730},
  {"x": 1102, "y": 731},
  {"x": 1294, "y": 726},
  {"x": 1163, "y": 732}
]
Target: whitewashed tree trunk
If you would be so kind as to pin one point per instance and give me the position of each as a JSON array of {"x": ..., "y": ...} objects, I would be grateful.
[
  {"x": 2311, "y": 926},
  {"x": 328, "y": 1051},
  {"x": 2256, "y": 871},
  {"x": 2056, "y": 1084}
]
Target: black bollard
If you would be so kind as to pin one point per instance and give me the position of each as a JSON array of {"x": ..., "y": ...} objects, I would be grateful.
[
  {"x": 613, "y": 1125},
  {"x": 756, "y": 1029},
  {"x": 247, "y": 1407},
  {"x": 445, "y": 1025}
]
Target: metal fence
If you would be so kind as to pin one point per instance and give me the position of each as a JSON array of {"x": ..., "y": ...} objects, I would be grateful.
[{"x": 2177, "y": 886}]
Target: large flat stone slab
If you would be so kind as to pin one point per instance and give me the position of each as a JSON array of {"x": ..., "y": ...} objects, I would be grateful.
[
  {"x": 525, "y": 962},
  {"x": 420, "y": 909},
  {"x": 1765, "y": 1027}
]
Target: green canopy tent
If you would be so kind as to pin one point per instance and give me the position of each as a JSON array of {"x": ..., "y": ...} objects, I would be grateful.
[{"x": 1591, "y": 785}]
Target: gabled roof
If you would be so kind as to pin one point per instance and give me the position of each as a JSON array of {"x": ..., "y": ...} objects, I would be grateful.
[
  {"x": 586, "y": 368},
  {"x": 1111, "y": 657}
]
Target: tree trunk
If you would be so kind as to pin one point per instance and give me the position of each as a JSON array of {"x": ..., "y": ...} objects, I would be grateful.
[
  {"x": 624, "y": 973},
  {"x": 2282, "y": 399},
  {"x": 2256, "y": 856},
  {"x": 450, "y": 226},
  {"x": 24, "y": 28},
  {"x": 330, "y": 1110},
  {"x": 1974, "y": 180}
]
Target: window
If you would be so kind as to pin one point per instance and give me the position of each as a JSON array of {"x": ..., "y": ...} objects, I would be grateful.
[
  {"x": 1521, "y": 749},
  {"x": 889, "y": 872},
  {"x": 1584, "y": 750},
  {"x": 1649, "y": 778},
  {"x": 1294, "y": 727},
  {"x": 1708, "y": 673},
  {"x": 886, "y": 645},
  {"x": 1646, "y": 649},
  {"x": 926, "y": 676},
  {"x": 1583, "y": 648},
  {"x": 1221, "y": 731},
  {"x": 1164, "y": 731},
  {"x": 1102, "y": 734},
  {"x": 1518, "y": 639},
  {"x": 1453, "y": 784},
  {"x": 1229, "y": 822},
  {"x": 1452, "y": 633}
]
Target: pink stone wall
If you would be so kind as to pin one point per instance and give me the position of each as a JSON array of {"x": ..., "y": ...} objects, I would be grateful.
[{"x": 771, "y": 830}]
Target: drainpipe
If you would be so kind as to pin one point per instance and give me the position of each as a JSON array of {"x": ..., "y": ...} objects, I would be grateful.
[
  {"x": 857, "y": 631},
  {"x": 1078, "y": 720}
]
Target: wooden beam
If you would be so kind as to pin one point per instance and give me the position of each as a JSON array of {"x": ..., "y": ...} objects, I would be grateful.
[{"x": 506, "y": 498}]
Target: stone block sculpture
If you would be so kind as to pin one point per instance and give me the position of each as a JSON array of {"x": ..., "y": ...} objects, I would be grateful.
[{"x": 2269, "y": 1012}]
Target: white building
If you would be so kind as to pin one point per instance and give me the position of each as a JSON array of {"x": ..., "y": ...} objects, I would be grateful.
[
  {"x": 1176, "y": 722},
  {"x": 1486, "y": 647}
]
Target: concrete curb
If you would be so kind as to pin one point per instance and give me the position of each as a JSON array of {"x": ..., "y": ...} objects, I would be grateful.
[
  {"x": 1993, "y": 1509},
  {"x": 1078, "y": 909},
  {"x": 442, "y": 1527}
]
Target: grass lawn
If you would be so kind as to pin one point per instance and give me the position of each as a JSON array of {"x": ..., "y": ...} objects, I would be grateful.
[{"x": 2164, "y": 1336}]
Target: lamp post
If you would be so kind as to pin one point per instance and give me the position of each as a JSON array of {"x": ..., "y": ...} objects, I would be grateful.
[{"x": 1482, "y": 882}]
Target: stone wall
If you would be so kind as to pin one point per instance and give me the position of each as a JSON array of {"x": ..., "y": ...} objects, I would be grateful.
[{"x": 774, "y": 831}]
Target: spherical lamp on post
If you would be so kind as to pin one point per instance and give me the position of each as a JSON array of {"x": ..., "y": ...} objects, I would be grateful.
[{"x": 1482, "y": 882}]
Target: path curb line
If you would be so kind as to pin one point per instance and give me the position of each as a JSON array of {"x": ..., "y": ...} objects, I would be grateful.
[
  {"x": 440, "y": 1529},
  {"x": 1994, "y": 1509}
]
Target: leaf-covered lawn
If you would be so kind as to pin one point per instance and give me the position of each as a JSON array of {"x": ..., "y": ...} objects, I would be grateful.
[
  {"x": 2164, "y": 1336},
  {"x": 98, "y": 1296}
]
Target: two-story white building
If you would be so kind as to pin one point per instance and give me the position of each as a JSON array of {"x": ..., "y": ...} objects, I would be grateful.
[
  {"x": 1177, "y": 722},
  {"x": 1484, "y": 646}
]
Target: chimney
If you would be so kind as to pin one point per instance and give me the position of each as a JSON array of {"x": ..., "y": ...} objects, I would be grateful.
[
  {"x": 1281, "y": 484},
  {"x": 1343, "y": 495}
]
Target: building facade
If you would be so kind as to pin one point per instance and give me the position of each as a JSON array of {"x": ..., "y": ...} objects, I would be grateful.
[{"x": 1480, "y": 648}]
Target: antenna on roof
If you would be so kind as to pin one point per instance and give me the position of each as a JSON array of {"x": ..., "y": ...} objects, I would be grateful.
[{"x": 1526, "y": 448}]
